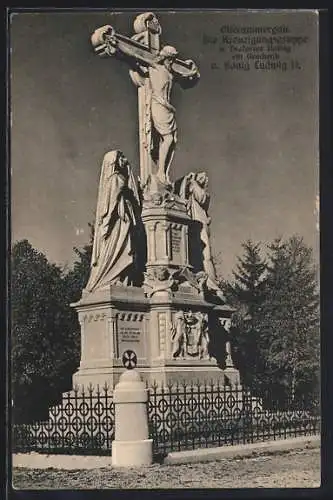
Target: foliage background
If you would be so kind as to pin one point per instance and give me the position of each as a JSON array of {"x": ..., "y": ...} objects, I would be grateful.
[{"x": 274, "y": 332}]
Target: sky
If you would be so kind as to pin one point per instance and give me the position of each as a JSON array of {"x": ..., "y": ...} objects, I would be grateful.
[{"x": 254, "y": 132}]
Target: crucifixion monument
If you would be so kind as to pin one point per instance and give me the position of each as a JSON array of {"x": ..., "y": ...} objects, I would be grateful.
[{"x": 152, "y": 287}]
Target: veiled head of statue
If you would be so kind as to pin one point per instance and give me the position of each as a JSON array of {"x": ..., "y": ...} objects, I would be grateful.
[
  {"x": 116, "y": 161},
  {"x": 122, "y": 163}
]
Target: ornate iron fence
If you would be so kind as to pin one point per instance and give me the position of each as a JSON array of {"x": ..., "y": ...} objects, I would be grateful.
[
  {"x": 82, "y": 423},
  {"x": 185, "y": 417},
  {"x": 180, "y": 417}
]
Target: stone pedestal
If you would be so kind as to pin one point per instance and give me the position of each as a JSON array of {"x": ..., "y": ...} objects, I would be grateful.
[
  {"x": 170, "y": 312},
  {"x": 166, "y": 223},
  {"x": 124, "y": 318}
]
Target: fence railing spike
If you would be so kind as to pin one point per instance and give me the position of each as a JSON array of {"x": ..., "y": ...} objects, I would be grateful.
[
  {"x": 169, "y": 385},
  {"x": 154, "y": 384}
]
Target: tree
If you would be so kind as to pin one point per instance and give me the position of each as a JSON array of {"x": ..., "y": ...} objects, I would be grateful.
[
  {"x": 245, "y": 294},
  {"x": 44, "y": 348},
  {"x": 289, "y": 321},
  {"x": 76, "y": 279}
]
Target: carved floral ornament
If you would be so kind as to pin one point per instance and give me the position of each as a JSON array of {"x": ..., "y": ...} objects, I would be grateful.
[
  {"x": 147, "y": 21},
  {"x": 123, "y": 316},
  {"x": 130, "y": 316},
  {"x": 103, "y": 41},
  {"x": 94, "y": 317}
]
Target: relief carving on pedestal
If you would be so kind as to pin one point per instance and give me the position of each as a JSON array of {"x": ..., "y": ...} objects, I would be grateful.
[{"x": 189, "y": 335}]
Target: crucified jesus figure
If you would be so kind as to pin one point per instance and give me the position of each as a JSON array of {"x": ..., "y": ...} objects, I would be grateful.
[
  {"x": 161, "y": 79},
  {"x": 153, "y": 71}
]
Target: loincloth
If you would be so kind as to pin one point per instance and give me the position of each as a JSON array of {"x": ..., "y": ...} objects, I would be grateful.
[{"x": 163, "y": 116}]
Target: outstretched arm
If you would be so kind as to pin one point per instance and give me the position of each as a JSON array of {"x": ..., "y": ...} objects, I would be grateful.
[
  {"x": 107, "y": 42},
  {"x": 186, "y": 73}
]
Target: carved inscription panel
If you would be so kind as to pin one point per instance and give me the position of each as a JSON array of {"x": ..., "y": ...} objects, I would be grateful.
[
  {"x": 131, "y": 334},
  {"x": 176, "y": 243}
]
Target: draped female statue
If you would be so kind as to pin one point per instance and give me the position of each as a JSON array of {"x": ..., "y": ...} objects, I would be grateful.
[
  {"x": 194, "y": 188},
  {"x": 117, "y": 227}
]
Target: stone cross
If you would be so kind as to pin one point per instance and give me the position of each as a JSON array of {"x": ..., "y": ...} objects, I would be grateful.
[{"x": 141, "y": 52}]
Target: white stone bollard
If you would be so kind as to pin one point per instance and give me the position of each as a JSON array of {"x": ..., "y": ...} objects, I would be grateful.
[{"x": 131, "y": 446}]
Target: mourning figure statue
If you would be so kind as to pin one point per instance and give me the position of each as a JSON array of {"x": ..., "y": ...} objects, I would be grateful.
[
  {"x": 117, "y": 227},
  {"x": 194, "y": 188}
]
